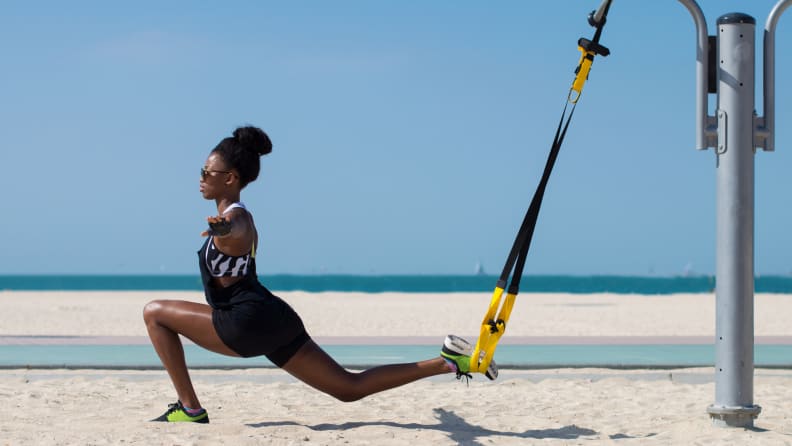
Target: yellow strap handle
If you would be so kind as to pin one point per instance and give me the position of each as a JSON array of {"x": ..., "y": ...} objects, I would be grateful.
[
  {"x": 584, "y": 66},
  {"x": 492, "y": 328}
]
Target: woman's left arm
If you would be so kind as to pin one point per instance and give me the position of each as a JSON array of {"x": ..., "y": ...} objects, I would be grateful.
[{"x": 232, "y": 232}]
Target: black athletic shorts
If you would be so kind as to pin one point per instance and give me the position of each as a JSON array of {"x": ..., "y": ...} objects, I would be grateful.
[{"x": 255, "y": 322}]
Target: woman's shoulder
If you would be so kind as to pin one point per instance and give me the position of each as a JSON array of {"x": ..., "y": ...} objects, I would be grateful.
[{"x": 240, "y": 216}]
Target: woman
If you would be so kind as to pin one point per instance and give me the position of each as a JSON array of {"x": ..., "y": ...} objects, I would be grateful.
[{"x": 243, "y": 318}]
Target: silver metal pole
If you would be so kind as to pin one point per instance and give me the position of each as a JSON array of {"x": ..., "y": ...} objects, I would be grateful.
[
  {"x": 734, "y": 289},
  {"x": 735, "y": 132}
]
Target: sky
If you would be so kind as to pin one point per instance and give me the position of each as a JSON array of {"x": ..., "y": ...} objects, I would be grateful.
[{"x": 409, "y": 136}]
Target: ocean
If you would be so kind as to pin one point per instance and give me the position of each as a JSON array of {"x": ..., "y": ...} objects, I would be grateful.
[{"x": 394, "y": 283}]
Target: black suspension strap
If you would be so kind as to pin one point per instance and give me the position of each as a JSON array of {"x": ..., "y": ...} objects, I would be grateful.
[{"x": 494, "y": 324}]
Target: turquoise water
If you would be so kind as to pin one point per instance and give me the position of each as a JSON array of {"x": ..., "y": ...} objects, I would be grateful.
[
  {"x": 508, "y": 356},
  {"x": 412, "y": 283}
]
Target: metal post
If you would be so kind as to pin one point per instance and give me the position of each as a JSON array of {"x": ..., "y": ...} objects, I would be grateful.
[
  {"x": 734, "y": 290},
  {"x": 735, "y": 133}
]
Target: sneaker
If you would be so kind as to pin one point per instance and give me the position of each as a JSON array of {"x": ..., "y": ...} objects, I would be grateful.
[
  {"x": 458, "y": 351},
  {"x": 177, "y": 413}
]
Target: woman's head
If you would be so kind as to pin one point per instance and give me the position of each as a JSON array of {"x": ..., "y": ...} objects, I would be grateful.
[
  {"x": 241, "y": 152},
  {"x": 238, "y": 155}
]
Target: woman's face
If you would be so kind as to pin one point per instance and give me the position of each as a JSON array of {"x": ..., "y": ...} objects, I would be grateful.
[{"x": 215, "y": 177}]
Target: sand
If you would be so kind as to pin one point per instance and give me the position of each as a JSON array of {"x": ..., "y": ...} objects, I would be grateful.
[
  {"x": 266, "y": 406},
  {"x": 98, "y": 313}
]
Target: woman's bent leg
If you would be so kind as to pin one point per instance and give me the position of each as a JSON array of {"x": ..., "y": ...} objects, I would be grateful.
[
  {"x": 165, "y": 321},
  {"x": 315, "y": 367}
]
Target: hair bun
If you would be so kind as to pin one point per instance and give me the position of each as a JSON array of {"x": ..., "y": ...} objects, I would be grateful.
[{"x": 253, "y": 138}]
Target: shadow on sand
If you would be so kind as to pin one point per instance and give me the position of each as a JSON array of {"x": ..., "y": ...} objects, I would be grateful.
[{"x": 458, "y": 430}]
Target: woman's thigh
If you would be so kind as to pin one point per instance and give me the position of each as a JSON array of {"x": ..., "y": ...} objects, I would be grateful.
[{"x": 190, "y": 319}]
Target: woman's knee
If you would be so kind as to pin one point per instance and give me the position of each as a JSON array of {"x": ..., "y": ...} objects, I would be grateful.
[
  {"x": 349, "y": 396},
  {"x": 347, "y": 390},
  {"x": 313, "y": 366},
  {"x": 152, "y": 311}
]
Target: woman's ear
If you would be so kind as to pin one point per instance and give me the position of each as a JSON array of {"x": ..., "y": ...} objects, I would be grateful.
[{"x": 232, "y": 177}]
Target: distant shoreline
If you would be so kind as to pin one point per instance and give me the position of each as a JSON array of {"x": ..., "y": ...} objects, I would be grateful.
[{"x": 648, "y": 285}]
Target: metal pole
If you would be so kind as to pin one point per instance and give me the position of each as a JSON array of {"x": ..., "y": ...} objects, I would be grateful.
[
  {"x": 735, "y": 132},
  {"x": 734, "y": 340}
]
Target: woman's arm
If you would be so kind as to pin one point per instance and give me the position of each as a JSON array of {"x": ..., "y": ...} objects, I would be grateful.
[{"x": 233, "y": 232}]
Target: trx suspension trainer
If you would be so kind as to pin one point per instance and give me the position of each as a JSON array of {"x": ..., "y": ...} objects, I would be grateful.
[{"x": 494, "y": 324}]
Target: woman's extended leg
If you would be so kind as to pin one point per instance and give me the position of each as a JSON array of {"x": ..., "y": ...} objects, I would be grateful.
[
  {"x": 165, "y": 321},
  {"x": 315, "y": 367}
]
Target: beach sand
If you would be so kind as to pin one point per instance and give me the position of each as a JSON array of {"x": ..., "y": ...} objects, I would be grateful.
[
  {"x": 266, "y": 406},
  {"x": 330, "y": 314}
]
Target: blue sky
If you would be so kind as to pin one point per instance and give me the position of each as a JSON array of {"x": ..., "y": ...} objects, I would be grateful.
[{"x": 409, "y": 136}]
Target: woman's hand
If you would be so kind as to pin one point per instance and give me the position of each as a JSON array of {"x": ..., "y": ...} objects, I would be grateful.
[{"x": 218, "y": 226}]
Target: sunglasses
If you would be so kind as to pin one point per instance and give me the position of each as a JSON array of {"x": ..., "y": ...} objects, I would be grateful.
[{"x": 205, "y": 173}]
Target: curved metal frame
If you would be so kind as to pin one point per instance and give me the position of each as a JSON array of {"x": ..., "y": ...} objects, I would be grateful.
[
  {"x": 768, "y": 84},
  {"x": 706, "y": 134}
]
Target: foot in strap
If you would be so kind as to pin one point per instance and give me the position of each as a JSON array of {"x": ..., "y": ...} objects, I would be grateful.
[
  {"x": 457, "y": 351},
  {"x": 177, "y": 413}
]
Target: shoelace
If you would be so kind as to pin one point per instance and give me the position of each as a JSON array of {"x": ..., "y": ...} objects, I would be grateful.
[
  {"x": 173, "y": 407},
  {"x": 467, "y": 376}
]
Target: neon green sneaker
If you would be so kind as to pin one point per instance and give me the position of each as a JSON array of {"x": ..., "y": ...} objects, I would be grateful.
[
  {"x": 457, "y": 351},
  {"x": 176, "y": 413}
]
